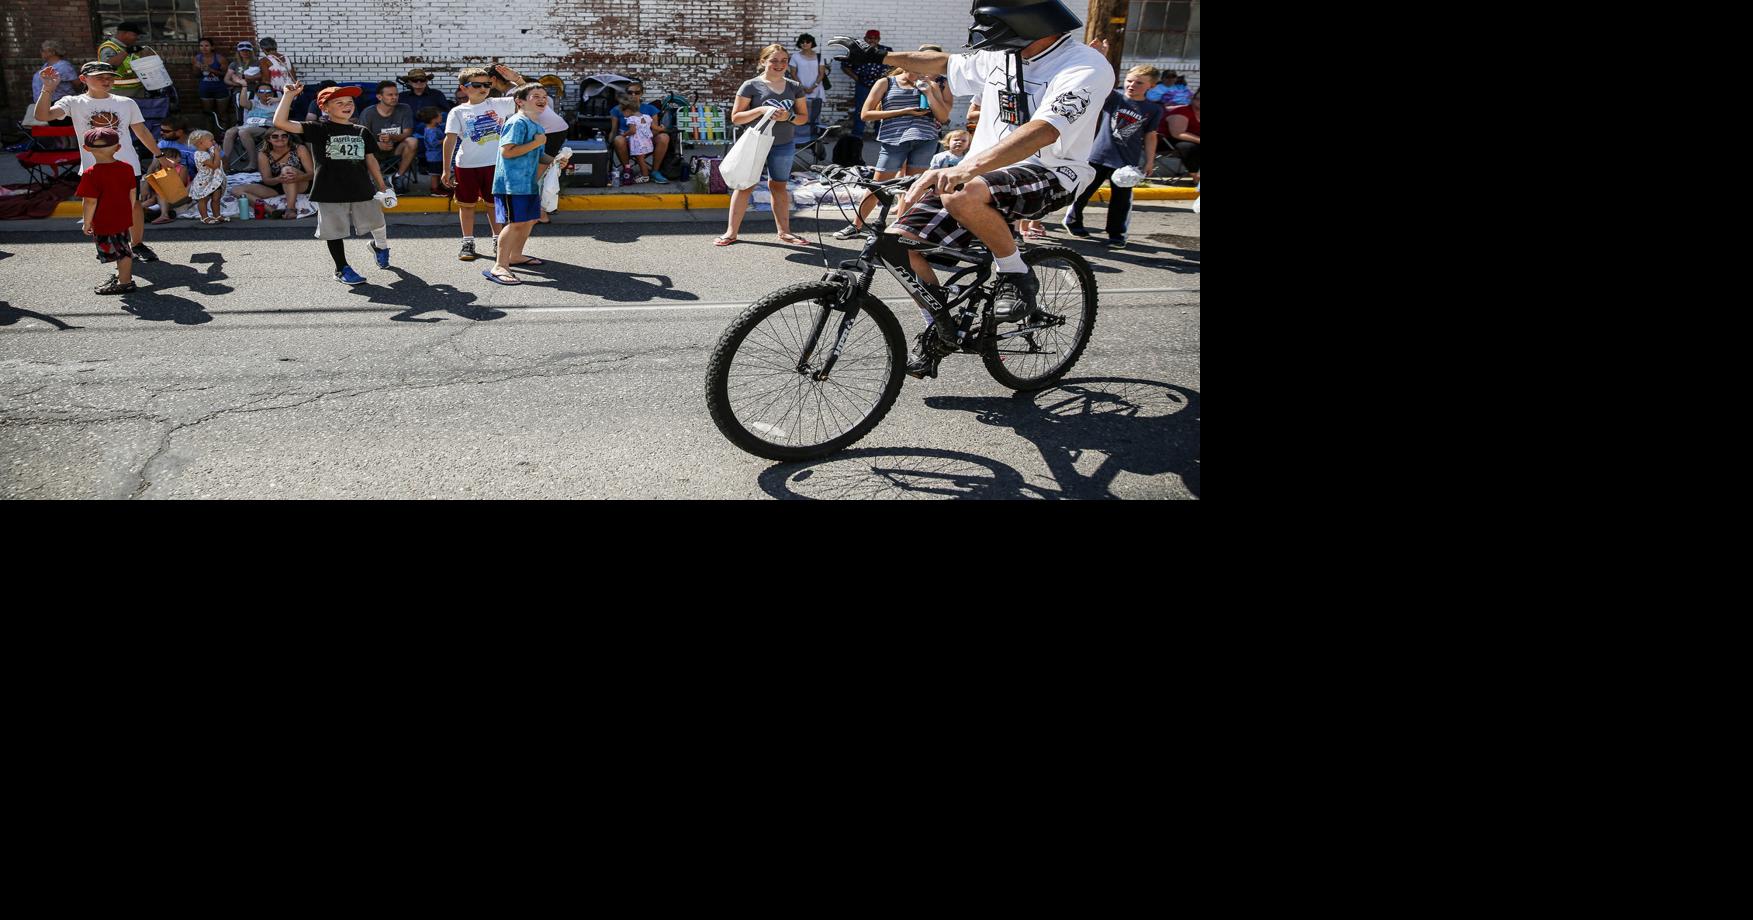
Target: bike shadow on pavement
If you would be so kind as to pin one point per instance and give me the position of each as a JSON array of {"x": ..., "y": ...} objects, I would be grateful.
[
  {"x": 621, "y": 287},
  {"x": 10, "y": 315},
  {"x": 896, "y": 472},
  {"x": 1143, "y": 427},
  {"x": 1107, "y": 425},
  {"x": 416, "y": 298}
]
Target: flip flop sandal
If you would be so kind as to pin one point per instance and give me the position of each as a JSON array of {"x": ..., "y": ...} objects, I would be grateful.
[
  {"x": 725, "y": 241},
  {"x": 792, "y": 239},
  {"x": 166, "y": 219},
  {"x": 488, "y": 274},
  {"x": 532, "y": 260},
  {"x": 209, "y": 220}
]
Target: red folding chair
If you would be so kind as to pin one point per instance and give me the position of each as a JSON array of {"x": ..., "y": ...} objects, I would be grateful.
[{"x": 45, "y": 164}]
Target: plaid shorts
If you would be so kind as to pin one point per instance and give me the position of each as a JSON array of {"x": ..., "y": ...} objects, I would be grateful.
[
  {"x": 1021, "y": 192},
  {"x": 113, "y": 248}
]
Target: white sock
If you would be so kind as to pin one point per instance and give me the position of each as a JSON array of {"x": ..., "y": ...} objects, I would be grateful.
[
  {"x": 382, "y": 235},
  {"x": 1012, "y": 264},
  {"x": 469, "y": 239}
]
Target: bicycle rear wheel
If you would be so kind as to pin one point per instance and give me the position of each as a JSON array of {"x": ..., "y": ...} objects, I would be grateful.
[
  {"x": 1058, "y": 332},
  {"x": 760, "y": 383}
]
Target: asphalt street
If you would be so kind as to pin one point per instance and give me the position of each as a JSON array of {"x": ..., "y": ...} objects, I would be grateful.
[{"x": 243, "y": 370}]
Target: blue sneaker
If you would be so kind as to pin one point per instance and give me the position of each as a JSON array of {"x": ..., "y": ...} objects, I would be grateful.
[
  {"x": 383, "y": 255},
  {"x": 349, "y": 276},
  {"x": 659, "y": 178}
]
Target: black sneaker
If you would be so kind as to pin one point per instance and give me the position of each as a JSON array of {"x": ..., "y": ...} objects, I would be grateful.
[
  {"x": 922, "y": 360},
  {"x": 1074, "y": 227},
  {"x": 144, "y": 253},
  {"x": 468, "y": 253},
  {"x": 1013, "y": 297},
  {"x": 1116, "y": 242},
  {"x": 847, "y": 232}
]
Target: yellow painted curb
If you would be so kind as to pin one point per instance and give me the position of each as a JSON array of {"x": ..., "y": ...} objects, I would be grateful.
[{"x": 430, "y": 205}]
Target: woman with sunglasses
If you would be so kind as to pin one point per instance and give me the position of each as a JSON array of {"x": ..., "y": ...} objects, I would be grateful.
[{"x": 286, "y": 169}]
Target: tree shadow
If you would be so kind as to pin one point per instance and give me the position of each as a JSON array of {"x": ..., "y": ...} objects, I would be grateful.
[
  {"x": 1143, "y": 427},
  {"x": 170, "y": 276},
  {"x": 412, "y": 293},
  {"x": 155, "y": 307},
  {"x": 906, "y": 473},
  {"x": 617, "y": 286},
  {"x": 10, "y": 315}
]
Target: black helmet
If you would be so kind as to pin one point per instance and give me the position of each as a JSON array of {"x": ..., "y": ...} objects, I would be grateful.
[{"x": 1018, "y": 25}]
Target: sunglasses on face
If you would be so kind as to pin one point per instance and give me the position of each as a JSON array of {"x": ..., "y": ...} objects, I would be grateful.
[
  {"x": 479, "y": 85},
  {"x": 417, "y": 81}
]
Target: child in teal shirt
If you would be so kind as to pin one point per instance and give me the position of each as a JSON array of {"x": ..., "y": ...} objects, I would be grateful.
[{"x": 517, "y": 182}]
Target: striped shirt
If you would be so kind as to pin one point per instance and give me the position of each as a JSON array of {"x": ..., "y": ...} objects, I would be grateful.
[{"x": 906, "y": 128}]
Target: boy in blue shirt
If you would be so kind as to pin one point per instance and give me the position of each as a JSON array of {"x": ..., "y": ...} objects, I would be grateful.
[
  {"x": 432, "y": 135},
  {"x": 517, "y": 182}
]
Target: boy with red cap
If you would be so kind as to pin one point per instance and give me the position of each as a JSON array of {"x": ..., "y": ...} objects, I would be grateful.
[
  {"x": 107, "y": 186},
  {"x": 346, "y": 175}
]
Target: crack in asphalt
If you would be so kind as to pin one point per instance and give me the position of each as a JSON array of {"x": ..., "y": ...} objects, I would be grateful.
[{"x": 571, "y": 369}]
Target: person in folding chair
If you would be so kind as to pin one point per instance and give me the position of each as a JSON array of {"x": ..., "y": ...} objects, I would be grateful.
[
  {"x": 97, "y": 108},
  {"x": 1041, "y": 91}
]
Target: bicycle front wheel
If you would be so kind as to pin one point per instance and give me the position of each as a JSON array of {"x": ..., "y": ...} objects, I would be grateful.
[
  {"x": 1035, "y": 353},
  {"x": 762, "y": 387}
]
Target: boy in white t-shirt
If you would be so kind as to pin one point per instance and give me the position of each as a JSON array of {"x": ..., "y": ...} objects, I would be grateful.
[
  {"x": 471, "y": 147},
  {"x": 97, "y": 108}
]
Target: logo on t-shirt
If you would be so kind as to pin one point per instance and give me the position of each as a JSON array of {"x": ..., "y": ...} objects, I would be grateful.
[
  {"x": 345, "y": 147},
  {"x": 1072, "y": 105},
  {"x": 106, "y": 120},
  {"x": 1127, "y": 123},
  {"x": 485, "y": 128}
]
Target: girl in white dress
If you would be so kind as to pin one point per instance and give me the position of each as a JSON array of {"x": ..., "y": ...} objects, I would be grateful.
[{"x": 209, "y": 185}]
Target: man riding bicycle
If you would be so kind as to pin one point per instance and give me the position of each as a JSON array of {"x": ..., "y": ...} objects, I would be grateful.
[{"x": 1041, "y": 91}]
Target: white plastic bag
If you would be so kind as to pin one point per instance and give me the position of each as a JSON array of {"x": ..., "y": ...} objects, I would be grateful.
[
  {"x": 551, "y": 181},
  {"x": 742, "y": 167}
]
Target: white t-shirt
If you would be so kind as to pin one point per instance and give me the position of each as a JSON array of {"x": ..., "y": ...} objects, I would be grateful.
[
  {"x": 1066, "y": 85},
  {"x": 117, "y": 112},
  {"x": 477, "y": 128},
  {"x": 808, "y": 69}
]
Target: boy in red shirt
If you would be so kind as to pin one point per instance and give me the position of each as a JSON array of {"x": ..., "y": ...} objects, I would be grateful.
[{"x": 108, "y": 189}]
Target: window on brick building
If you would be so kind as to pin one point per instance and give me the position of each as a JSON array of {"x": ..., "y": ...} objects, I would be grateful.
[
  {"x": 165, "y": 20},
  {"x": 1161, "y": 30}
]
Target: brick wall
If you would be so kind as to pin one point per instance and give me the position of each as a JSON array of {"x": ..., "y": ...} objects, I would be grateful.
[
  {"x": 24, "y": 26},
  {"x": 702, "y": 48}
]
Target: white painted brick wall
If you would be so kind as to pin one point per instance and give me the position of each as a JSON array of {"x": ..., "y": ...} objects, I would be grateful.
[{"x": 377, "y": 39}]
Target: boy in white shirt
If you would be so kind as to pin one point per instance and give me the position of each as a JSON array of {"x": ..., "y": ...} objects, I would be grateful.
[{"x": 97, "y": 108}]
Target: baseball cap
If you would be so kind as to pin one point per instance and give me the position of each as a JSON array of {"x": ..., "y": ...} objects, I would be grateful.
[
  {"x": 336, "y": 92},
  {"x": 97, "y": 67},
  {"x": 873, "y": 33},
  {"x": 102, "y": 137},
  {"x": 129, "y": 27}
]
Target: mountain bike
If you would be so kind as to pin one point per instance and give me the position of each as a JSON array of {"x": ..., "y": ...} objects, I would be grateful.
[{"x": 811, "y": 368}]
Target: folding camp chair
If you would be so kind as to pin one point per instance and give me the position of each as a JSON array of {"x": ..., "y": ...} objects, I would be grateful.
[{"x": 45, "y": 164}]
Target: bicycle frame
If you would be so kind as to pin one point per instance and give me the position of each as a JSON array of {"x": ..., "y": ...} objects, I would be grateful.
[{"x": 893, "y": 253}]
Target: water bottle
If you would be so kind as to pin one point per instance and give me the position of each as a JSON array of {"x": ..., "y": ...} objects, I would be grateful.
[
  {"x": 261, "y": 210},
  {"x": 243, "y": 207}
]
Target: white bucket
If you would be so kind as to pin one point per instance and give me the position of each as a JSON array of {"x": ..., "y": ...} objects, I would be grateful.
[{"x": 152, "y": 72}]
